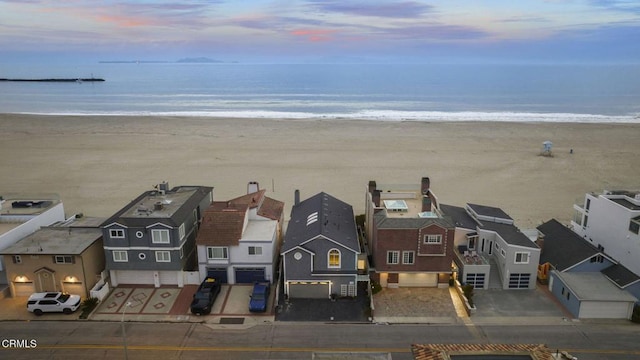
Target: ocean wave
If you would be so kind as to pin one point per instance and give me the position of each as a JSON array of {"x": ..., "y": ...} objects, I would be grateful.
[{"x": 378, "y": 115}]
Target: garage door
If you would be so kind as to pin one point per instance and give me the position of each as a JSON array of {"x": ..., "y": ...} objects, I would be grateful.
[
  {"x": 249, "y": 275},
  {"x": 310, "y": 290},
  {"x": 605, "y": 310},
  {"x": 418, "y": 280},
  {"x": 134, "y": 277},
  {"x": 24, "y": 288},
  {"x": 219, "y": 273},
  {"x": 169, "y": 277}
]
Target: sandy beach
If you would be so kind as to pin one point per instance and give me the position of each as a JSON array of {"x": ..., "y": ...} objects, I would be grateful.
[{"x": 99, "y": 164}]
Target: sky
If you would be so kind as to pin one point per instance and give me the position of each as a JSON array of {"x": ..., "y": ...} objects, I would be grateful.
[{"x": 545, "y": 31}]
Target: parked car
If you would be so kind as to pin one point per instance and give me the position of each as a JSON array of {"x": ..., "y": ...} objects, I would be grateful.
[
  {"x": 39, "y": 303},
  {"x": 259, "y": 297},
  {"x": 205, "y": 296}
]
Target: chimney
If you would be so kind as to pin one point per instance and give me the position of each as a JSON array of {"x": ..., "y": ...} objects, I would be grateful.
[
  {"x": 376, "y": 197},
  {"x": 253, "y": 187},
  {"x": 424, "y": 186},
  {"x": 426, "y": 203},
  {"x": 296, "y": 197},
  {"x": 372, "y": 186}
]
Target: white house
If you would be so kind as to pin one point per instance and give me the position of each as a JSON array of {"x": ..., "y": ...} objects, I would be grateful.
[
  {"x": 239, "y": 240},
  {"x": 611, "y": 222}
]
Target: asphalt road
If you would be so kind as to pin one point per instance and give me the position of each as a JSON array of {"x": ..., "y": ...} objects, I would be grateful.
[{"x": 104, "y": 340}]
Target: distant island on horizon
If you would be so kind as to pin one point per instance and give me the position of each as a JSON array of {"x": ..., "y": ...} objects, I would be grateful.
[{"x": 188, "y": 60}]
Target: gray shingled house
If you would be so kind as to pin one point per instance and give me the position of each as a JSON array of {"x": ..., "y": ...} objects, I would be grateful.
[
  {"x": 588, "y": 282},
  {"x": 320, "y": 249},
  {"x": 152, "y": 239}
]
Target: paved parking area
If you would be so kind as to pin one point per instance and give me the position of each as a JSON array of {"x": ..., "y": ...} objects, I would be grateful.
[
  {"x": 424, "y": 305},
  {"x": 517, "y": 303}
]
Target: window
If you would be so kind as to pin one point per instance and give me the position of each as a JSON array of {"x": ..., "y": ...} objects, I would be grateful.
[
  {"x": 433, "y": 239},
  {"x": 163, "y": 256},
  {"x": 334, "y": 258},
  {"x": 160, "y": 236},
  {"x": 586, "y": 219},
  {"x": 588, "y": 204},
  {"x": 503, "y": 253},
  {"x": 63, "y": 259},
  {"x": 634, "y": 225},
  {"x": 116, "y": 233},
  {"x": 217, "y": 253},
  {"x": 597, "y": 259},
  {"x": 181, "y": 231},
  {"x": 408, "y": 257},
  {"x": 17, "y": 259},
  {"x": 522, "y": 258},
  {"x": 255, "y": 250},
  {"x": 120, "y": 256},
  {"x": 393, "y": 257}
]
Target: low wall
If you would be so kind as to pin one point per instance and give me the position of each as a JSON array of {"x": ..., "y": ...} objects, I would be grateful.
[
  {"x": 100, "y": 290},
  {"x": 469, "y": 309}
]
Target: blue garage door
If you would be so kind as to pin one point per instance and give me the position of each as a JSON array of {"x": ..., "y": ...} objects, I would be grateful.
[
  {"x": 219, "y": 273},
  {"x": 249, "y": 275}
]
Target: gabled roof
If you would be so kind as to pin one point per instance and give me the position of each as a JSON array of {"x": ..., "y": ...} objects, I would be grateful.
[
  {"x": 175, "y": 206},
  {"x": 322, "y": 215},
  {"x": 222, "y": 224},
  {"x": 459, "y": 216},
  {"x": 252, "y": 199},
  {"x": 620, "y": 275},
  {"x": 271, "y": 209},
  {"x": 562, "y": 247}
]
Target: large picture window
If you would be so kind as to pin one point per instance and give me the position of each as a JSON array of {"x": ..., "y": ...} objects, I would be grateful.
[{"x": 217, "y": 253}]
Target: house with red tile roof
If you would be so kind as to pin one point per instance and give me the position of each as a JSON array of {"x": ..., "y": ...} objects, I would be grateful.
[{"x": 239, "y": 240}]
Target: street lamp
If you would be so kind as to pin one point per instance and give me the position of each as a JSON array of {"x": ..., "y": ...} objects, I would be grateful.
[{"x": 124, "y": 335}]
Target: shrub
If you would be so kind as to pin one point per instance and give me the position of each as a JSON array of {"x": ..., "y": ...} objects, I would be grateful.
[
  {"x": 467, "y": 289},
  {"x": 375, "y": 287},
  {"x": 87, "y": 306},
  {"x": 635, "y": 317}
]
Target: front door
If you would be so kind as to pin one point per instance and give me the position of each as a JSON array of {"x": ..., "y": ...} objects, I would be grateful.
[{"x": 46, "y": 281}]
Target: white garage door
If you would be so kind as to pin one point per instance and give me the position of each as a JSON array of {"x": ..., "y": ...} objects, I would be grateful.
[
  {"x": 134, "y": 277},
  {"x": 24, "y": 288},
  {"x": 605, "y": 310},
  {"x": 169, "y": 277},
  {"x": 418, "y": 280}
]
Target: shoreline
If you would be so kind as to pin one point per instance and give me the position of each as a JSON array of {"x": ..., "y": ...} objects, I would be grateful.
[{"x": 98, "y": 164}]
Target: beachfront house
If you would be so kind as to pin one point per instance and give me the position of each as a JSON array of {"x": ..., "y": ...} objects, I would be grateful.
[
  {"x": 320, "y": 249},
  {"x": 21, "y": 216},
  {"x": 409, "y": 240},
  {"x": 151, "y": 241},
  {"x": 239, "y": 240},
  {"x": 588, "y": 282},
  {"x": 611, "y": 222},
  {"x": 490, "y": 250},
  {"x": 66, "y": 256}
]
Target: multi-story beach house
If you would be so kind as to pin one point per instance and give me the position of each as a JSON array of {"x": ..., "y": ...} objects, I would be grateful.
[
  {"x": 21, "y": 216},
  {"x": 409, "y": 240},
  {"x": 239, "y": 240},
  {"x": 66, "y": 256},
  {"x": 611, "y": 222},
  {"x": 152, "y": 240},
  {"x": 320, "y": 249},
  {"x": 491, "y": 251},
  {"x": 582, "y": 277}
]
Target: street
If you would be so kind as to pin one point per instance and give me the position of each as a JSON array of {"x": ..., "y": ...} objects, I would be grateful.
[{"x": 103, "y": 340}]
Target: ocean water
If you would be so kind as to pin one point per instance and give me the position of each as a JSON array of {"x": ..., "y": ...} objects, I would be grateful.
[{"x": 550, "y": 93}]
